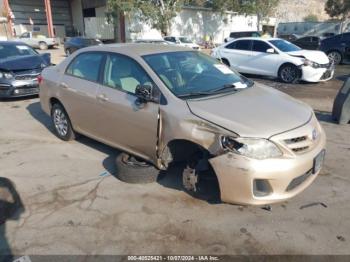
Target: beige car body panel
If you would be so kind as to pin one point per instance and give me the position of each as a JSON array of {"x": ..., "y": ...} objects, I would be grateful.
[{"x": 259, "y": 112}]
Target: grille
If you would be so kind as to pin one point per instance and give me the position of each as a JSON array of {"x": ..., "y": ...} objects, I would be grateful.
[
  {"x": 298, "y": 144},
  {"x": 26, "y": 77},
  {"x": 298, "y": 180},
  {"x": 27, "y": 91},
  {"x": 295, "y": 140}
]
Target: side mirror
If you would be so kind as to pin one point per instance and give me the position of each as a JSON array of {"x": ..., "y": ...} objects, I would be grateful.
[
  {"x": 144, "y": 93},
  {"x": 177, "y": 42},
  {"x": 270, "y": 51}
]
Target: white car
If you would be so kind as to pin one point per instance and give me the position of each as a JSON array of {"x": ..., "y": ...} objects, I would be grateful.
[
  {"x": 275, "y": 57},
  {"x": 182, "y": 41}
]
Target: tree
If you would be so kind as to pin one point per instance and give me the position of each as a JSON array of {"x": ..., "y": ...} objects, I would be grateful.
[
  {"x": 261, "y": 8},
  {"x": 339, "y": 9},
  {"x": 114, "y": 10},
  {"x": 311, "y": 18},
  {"x": 158, "y": 13}
]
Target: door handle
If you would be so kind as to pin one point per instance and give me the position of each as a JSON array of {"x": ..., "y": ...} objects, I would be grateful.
[
  {"x": 64, "y": 85},
  {"x": 102, "y": 97}
]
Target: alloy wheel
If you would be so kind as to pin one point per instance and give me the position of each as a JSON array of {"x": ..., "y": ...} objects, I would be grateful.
[
  {"x": 61, "y": 122},
  {"x": 289, "y": 74},
  {"x": 334, "y": 57}
]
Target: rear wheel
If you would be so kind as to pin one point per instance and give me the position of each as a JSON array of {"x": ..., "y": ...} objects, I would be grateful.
[
  {"x": 68, "y": 52},
  {"x": 289, "y": 73},
  {"x": 131, "y": 169},
  {"x": 335, "y": 57},
  {"x": 61, "y": 123},
  {"x": 43, "y": 46}
]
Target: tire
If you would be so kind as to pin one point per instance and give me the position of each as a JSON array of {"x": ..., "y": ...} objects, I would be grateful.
[
  {"x": 335, "y": 57},
  {"x": 289, "y": 73},
  {"x": 61, "y": 122},
  {"x": 68, "y": 52},
  {"x": 226, "y": 62},
  {"x": 43, "y": 46},
  {"x": 135, "y": 171}
]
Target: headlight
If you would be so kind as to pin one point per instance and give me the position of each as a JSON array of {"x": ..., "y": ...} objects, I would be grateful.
[
  {"x": 307, "y": 62},
  {"x": 5, "y": 75},
  {"x": 257, "y": 148}
]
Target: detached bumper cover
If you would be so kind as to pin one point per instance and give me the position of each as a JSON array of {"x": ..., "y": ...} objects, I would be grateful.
[{"x": 283, "y": 178}]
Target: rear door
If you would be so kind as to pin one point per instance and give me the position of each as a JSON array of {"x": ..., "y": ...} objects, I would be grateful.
[
  {"x": 78, "y": 91},
  {"x": 263, "y": 63},
  {"x": 121, "y": 122},
  {"x": 238, "y": 53}
]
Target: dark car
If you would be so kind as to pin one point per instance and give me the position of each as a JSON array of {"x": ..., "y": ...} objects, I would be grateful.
[
  {"x": 72, "y": 44},
  {"x": 240, "y": 34},
  {"x": 308, "y": 42},
  {"x": 20, "y": 66},
  {"x": 337, "y": 47}
]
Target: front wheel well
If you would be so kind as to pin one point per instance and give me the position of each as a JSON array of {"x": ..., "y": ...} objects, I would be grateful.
[
  {"x": 286, "y": 64},
  {"x": 180, "y": 150}
]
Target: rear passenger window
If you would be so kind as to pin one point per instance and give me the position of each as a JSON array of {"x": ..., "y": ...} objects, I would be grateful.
[
  {"x": 86, "y": 66},
  {"x": 260, "y": 46},
  {"x": 243, "y": 45}
]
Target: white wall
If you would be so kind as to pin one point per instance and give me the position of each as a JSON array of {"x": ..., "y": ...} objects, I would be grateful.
[
  {"x": 191, "y": 22},
  {"x": 195, "y": 24},
  {"x": 77, "y": 15}
]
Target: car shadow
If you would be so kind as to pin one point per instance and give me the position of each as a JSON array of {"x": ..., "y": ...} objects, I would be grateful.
[
  {"x": 172, "y": 178},
  {"x": 207, "y": 189},
  {"x": 11, "y": 207}
]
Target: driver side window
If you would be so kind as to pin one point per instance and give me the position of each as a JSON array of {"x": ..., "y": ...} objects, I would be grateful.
[
  {"x": 25, "y": 35},
  {"x": 124, "y": 73}
]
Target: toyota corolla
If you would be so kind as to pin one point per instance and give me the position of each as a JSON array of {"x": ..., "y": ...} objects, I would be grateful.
[{"x": 161, "y": 104}]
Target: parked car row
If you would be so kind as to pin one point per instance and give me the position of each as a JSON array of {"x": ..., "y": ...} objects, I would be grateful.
[{"x": 336, "y": 47}]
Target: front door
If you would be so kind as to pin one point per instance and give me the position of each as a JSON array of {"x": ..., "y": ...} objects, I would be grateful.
[
  {"x": 238, "y": 54},
  {"x": 264, "y": 63},
  {"x": 121, "y": 121}
]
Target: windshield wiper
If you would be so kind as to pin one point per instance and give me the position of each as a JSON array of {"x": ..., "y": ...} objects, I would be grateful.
[{"x": 210, "y": 92}]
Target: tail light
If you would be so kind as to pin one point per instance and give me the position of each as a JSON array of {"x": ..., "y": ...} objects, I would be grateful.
[{"x": 40, "y": 79}]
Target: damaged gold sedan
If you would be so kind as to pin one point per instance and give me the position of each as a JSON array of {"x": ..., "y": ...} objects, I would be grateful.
[{"x": 162, "y": 104}]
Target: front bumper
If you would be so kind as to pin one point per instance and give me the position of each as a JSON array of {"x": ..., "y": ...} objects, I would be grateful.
[
  {"x": 19, "y": 88},
  {"x": 285, "y": 177},
  {"x": 311, "y": 74}
]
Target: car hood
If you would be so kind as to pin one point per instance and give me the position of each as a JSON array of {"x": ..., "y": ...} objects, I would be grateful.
[
  {"x": 259, "y": 111},
  {"x": 314, "y": 56},
  {"x": 22, "y": 63}
]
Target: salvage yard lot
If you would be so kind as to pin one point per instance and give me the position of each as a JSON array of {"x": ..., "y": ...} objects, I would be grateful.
[{"x": 72, "y": 203}]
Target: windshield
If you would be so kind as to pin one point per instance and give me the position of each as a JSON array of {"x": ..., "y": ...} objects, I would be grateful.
[
  {"x": 284, "y": 45},
  {"x": 7, "y": 51},
  {"x": 185, "y": 40},
  {"x": 189, "y": 74}
]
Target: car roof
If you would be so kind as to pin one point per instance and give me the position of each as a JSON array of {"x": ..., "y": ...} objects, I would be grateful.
[
  {"x": 139, "y": 49},
  {"x": 257, "y": 38}
]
